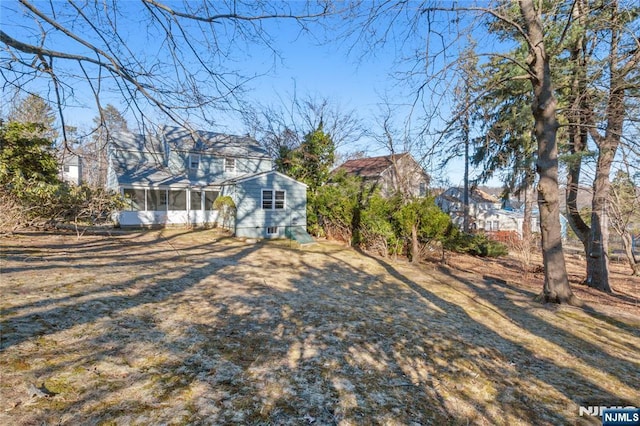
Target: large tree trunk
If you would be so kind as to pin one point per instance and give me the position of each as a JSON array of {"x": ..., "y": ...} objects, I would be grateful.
[
  {"x": 577, "y": 131},
  {"x": 577, "y": 146},
  {"x": 598, "y": 259},
  {"x": 556, "y": 284}
]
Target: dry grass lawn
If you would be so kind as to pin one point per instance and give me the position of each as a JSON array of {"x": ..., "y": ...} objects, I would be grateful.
[{"x": 178, "y": 327}]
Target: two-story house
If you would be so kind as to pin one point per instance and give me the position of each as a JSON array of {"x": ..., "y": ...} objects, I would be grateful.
[
  {"x": 174, "y": 176},
  {"x": 391, "y": 173}
]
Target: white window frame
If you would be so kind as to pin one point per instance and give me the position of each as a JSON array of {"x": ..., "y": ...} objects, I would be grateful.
[
  {"x": 227, "y": 163},
  {"x": 144, "y": 198},
  {"x": 194, "y": 159},
  {"x": 273, "y": 199},
  {"x": 272, "y": 230},
  {"x": 172, "y": 195},
  {"x": 200, "y": 195}
]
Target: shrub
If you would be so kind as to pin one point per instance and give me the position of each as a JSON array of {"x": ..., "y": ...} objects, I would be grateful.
[
  {"x": 31, "y": 192},
  {"x": 227, "y": 209},
  {"x": 474, "y": 244}
]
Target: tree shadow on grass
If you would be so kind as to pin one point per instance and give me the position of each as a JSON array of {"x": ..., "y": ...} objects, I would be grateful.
[
  {"x": 564, "y": 380},
  {"x": 624, "y": 370},
  {"x": 154, "y": 285},
  {"x": 87, "y": 254},
  {"x": 267, "y": 334}
]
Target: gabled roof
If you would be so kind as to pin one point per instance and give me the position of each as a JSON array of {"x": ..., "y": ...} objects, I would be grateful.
[
  {"x": 371, "y": 167},
  {"x": 154, "y": 167},
  {"x": 182, "y": 139},
  {"x": 475, "y": 195},
  {"x": 135, "y": 142},
  {"x": 197, "y": 141}
]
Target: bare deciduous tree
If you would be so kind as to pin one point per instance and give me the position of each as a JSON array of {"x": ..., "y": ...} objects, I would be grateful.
[
  {"x": 431, "y": 69},
  {"x": 283, "y": 127},
  {"x": 624, "y": 203},
  {"x": 178, "y": 59}
]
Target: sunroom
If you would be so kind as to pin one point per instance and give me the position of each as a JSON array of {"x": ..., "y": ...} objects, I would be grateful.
[{"x": 168, "y": 206}]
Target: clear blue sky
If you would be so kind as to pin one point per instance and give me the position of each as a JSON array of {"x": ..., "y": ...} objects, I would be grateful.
[{"x": 352, "y": 82}]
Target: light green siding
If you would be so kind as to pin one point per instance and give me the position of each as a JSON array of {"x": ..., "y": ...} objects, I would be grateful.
[
  {"x": 211, "y": 167},
  {"x": 253, "y": 221}
]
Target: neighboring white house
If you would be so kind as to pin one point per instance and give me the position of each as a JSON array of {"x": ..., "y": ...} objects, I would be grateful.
[
  {"x": 485, "y": 212},
  {"x": 71, "y": 169},
  {"x": 173, "y": 178}
]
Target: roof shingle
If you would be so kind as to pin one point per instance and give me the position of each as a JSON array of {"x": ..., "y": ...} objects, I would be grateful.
[{"x": 371, "y": 167}]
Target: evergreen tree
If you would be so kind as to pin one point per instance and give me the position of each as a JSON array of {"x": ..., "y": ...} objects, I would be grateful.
[
  {"x": 33, "y": 109},
  {"x": 25, "y": 156},
  {"x": 311, "y": 162}
]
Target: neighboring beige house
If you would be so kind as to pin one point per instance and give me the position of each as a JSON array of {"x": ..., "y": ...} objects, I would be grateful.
[{"x": 391, "y": 173}]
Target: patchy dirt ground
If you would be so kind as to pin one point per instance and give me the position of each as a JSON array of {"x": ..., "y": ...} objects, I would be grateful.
[{"x": 177, "y": 327}]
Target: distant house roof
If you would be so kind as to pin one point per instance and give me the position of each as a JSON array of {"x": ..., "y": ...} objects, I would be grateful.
[
  {"x": 371, "y": 167},
  {"x": 483, "y": 197},
  {"x": 475, "y": 195}
]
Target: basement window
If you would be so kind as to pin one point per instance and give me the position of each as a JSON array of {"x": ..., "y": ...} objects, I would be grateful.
[{"x": 272, "y": 230}]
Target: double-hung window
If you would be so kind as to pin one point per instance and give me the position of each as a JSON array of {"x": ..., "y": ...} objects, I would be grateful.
[
  {"x": 230, "y": 165},
  {"x": 273, "y": 200},
  {"x": 194, "y": 161}
]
